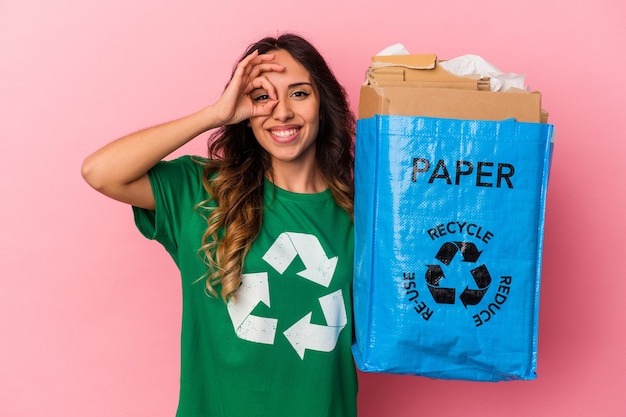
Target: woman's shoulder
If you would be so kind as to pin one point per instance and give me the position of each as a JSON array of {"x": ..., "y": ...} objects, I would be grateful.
[
  {"x": 189, "y": 161},
  {"x": 184, "y": 165},
  {"x": 183, "y": 174}
]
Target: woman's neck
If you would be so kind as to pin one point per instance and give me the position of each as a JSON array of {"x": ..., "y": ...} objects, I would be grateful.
[{"x": 298, "y": 179}]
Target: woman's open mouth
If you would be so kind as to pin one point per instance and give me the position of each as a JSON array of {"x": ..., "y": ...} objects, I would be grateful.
[{"x": 284, "y": 135}]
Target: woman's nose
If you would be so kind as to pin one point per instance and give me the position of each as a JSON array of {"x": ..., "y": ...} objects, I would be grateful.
[{"x": 282, "y": 110}]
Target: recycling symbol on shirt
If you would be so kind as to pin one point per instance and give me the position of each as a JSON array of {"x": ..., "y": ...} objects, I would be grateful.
[
  {"x": 254, "y": 289},
  {"x": 480, "y": 274}
]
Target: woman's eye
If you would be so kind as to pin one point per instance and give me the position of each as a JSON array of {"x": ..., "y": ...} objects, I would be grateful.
[
  {"x": 261, "y": 97},
  {"x": 300, "y": 94}
]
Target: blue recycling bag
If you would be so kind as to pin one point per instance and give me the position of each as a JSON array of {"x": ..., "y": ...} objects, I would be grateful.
[{"x": 449, "y": 218}]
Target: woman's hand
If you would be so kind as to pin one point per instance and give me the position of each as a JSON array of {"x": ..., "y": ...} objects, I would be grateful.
[{"x": 235, "y": 104}]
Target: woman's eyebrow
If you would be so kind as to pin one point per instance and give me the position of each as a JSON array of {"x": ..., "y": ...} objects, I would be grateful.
[
  {"x": 292, "y": 85},
  {"x": 300, "y": 84}
]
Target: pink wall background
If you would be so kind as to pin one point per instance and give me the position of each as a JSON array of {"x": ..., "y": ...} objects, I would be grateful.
[{"x": 90, "y": 311}]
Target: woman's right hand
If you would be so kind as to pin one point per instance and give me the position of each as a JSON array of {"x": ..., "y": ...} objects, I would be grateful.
[{"x": 235, "y": 104}]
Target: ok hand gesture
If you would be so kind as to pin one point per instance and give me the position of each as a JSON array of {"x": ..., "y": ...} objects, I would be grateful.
[{"x": 235, "y": 104}]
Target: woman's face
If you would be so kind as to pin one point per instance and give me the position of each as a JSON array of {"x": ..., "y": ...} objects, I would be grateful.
[{"x": 289, "y": 133}]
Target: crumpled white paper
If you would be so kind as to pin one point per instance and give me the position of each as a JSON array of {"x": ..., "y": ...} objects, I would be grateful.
[
  {"x": 476, "y": 65},
  {"x": 470, "y": 65},
  {"x": 395, "y": 49}
]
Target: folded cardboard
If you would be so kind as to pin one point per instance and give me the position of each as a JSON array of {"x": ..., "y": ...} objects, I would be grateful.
[
  {"x": 414, "y": 85},
  {"x": 450, "y": 103},
  {"x": 420, "y": 70}
]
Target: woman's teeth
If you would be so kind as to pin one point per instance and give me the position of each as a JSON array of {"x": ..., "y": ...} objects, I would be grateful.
[{"x": 284, "y": 133}]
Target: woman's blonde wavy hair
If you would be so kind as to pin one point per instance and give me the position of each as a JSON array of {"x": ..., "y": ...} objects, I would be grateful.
[{"x": 237, "y": 166}]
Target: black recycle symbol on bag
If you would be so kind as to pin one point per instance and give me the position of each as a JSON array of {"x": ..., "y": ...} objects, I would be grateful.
[{"x": 469, "y": 253}]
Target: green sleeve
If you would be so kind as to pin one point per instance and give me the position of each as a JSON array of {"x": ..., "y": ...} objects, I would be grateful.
[{"x": 177, "y": 188}]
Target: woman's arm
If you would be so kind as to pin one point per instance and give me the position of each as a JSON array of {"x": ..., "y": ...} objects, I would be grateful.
[{"x": 119, "y": 169}]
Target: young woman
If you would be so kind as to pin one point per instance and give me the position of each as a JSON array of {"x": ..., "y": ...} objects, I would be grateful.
[{"x": 261, "y": 231}]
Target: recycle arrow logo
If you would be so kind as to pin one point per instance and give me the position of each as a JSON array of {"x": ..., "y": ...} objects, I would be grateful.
[
  {"x": 318, "y": 268},
  {"x": 435, "y": 274},
  {"x": 254, "y": 289},
  {"x": 305, "y": 335}
]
